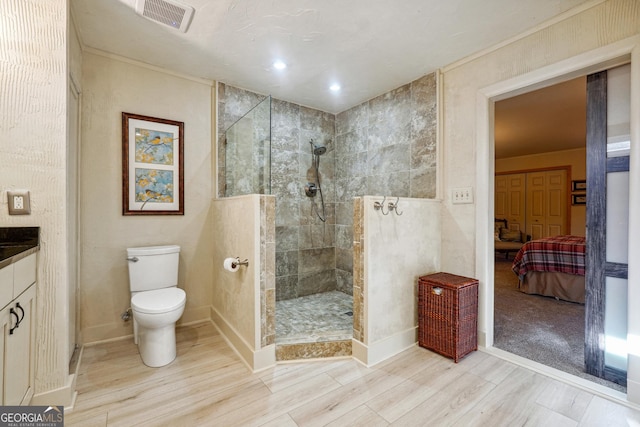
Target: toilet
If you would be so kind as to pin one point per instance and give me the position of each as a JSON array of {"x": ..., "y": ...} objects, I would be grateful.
[{"x": 156, "y": 301}]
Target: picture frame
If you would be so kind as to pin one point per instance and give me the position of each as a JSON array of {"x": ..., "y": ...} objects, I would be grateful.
[
  {"x": 152, "y": 166},
  {"x": 578, "y": 199},
  {"x": 579, "y": 185}
]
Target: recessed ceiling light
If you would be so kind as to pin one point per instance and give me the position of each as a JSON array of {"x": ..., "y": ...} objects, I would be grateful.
[
  {"x": 334, "y": 87},
  {"x": 279, "y": 65}
]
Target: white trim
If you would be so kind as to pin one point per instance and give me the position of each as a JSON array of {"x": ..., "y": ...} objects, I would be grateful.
[
  {"x": 439, "y": 135},
  {"x": 382, "y": 350},
  {"x": 140, "y": 64},
  {"x": 633, "y": 298},
  {"x": 63, "y": 396},
  {"x": 255, "y": 360},
  {"x": 264, "y": 358},
  {"x": 586, "y": 63}
]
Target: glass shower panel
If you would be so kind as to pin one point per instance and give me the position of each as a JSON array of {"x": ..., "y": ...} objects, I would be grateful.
[{"x": 248, "y": 153}]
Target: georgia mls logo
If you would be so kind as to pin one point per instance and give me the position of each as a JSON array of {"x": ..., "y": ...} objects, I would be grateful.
[
  {"x": 31, "y": 416},
  {"x": 53, "y": 408}
]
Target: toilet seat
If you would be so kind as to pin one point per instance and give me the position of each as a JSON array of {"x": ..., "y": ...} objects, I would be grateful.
[{"x": 158, "y": 301}]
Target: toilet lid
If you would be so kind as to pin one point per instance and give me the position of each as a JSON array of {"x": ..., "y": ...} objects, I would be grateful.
[{"x": 158, "y": 301}]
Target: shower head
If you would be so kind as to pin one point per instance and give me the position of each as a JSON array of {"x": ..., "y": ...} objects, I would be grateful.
[{"x": 317, "y": 150}]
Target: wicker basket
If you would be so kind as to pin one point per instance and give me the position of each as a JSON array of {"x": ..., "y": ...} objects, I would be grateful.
[{"x": 448, "y": 314}]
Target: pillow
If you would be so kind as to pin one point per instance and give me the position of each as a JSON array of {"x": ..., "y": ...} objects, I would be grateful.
[{"x": 509, "y": 235}]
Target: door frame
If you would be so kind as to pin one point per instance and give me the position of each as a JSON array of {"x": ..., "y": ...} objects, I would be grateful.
[{"x": 609, "y": 56}]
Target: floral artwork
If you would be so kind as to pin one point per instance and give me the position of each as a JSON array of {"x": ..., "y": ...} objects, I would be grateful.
[
  {"x": 152, "y": 165},
  {"x": 154, "y": 186},
  {"x": 154, "y": 147}
]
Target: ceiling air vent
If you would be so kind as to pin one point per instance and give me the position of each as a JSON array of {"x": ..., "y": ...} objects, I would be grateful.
[{"x": 168, "y": 12}]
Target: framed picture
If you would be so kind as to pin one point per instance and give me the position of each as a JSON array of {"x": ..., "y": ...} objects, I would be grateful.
[
  {"x": 578, "y": 199},
  {"x": 152, "y": 166},
  {"x": 579, "y": 185}
]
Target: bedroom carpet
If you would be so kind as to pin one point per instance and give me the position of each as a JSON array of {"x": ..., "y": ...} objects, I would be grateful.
[{"x": 541, "y": 329}]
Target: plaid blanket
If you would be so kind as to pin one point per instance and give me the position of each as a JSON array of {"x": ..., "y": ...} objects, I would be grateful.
[{"x": 564, "y": 254}]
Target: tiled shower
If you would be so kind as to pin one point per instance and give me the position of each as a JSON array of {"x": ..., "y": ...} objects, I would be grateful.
[{"x": 385, "y": 146}]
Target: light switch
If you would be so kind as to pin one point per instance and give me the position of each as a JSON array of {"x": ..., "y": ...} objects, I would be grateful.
[
  {"x": 462, "y": 195},
  {"x": 19, "y": 203}
]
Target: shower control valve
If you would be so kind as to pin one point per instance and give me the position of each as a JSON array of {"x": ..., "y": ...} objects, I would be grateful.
[{"x": 311, "y": 189}]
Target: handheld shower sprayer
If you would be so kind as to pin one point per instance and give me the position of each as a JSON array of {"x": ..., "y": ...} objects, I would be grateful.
[{"x": 312, "y": 188}]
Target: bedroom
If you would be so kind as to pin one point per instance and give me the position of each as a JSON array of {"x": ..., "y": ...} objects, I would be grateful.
[{"x": 540, "y": 190}]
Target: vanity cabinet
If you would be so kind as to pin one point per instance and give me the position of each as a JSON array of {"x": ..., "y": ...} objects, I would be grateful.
[{"x": 17, "y": 340}]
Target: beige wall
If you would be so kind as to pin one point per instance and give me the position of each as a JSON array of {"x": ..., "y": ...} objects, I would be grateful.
[
  {"x": 598, "y": 32},
  {"x": 33, "y": 84},
  {"x": 244, "y": 301},
  {"x": 392, "y": 251},
  {"x": 112, "y": 86},
  {"x": 576, "y": 159}
]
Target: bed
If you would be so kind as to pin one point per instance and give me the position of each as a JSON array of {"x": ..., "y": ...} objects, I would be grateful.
[{"x": 553, "y": 266}]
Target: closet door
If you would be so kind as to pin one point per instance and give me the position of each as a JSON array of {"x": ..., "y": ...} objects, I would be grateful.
[
  {"x": 510, "y": 199},
  {"x": 556, "y": 212},
  {"x": 536, "y": 205},
  {"x": 546, "y": 205}
]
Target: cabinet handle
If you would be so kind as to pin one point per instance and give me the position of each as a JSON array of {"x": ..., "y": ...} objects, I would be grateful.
[
  {"x": 21, "y": 317},
  {"x": 13, "y": 313}
]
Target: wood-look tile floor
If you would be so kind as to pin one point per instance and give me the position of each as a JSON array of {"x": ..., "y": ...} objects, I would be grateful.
[{"x": 208, "y": 385}]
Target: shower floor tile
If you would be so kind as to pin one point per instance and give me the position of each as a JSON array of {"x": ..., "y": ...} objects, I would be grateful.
[{"x": 315, "y": 318}]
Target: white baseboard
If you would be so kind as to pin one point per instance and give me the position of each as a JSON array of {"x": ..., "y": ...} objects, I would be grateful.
[
  {"x": 63, "y": 396},
  {"x": 255, "y": 360},
  {"x": 372, "y": 354}
]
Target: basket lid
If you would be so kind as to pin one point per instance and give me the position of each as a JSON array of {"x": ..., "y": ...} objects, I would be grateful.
[{"x": 448, "y": 279}]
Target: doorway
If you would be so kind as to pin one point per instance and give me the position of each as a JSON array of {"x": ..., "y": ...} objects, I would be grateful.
[
  {"x": 540, "y": 150},
  {"x": 543, "y": 322}
]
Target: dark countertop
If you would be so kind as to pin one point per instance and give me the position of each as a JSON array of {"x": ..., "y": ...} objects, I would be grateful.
[{"x": 17, "y": 243}]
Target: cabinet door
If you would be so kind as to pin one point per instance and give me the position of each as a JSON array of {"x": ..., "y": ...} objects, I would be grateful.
[
  {"x": 18, "y": 376},
  {"x": 5, "y": 325}
]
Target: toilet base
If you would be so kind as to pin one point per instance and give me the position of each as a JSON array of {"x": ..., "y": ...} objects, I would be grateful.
[{"x": 157, "y": 346}]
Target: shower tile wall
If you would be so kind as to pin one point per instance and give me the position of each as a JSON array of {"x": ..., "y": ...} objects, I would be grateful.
[
  {"x": 385, "y": 146},
  {"x": 305, "y": 246}
]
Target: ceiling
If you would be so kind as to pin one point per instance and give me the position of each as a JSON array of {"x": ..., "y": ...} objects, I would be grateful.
[
  {"x": 553, "y": 118},
  {"x": 369, "y": 47}
]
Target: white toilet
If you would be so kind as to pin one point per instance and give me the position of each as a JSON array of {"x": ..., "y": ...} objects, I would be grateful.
[{"x": 156, "y": 301}]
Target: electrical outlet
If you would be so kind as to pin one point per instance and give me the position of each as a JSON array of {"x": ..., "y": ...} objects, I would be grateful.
[
  {"x": 462, "y": 195},
  {"x": 19, "y": 202}
]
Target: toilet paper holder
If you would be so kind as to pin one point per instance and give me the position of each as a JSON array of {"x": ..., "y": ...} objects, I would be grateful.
[{"x": 238, "y": 262}]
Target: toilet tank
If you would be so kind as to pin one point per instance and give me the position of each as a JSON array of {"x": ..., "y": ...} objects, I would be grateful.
[{"x": 156, "y": 267}]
